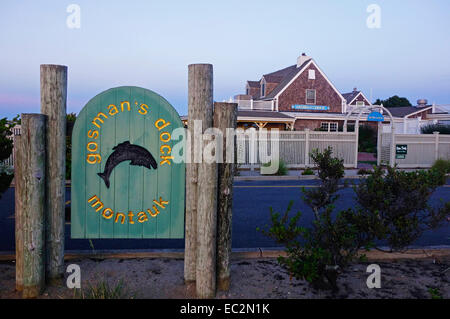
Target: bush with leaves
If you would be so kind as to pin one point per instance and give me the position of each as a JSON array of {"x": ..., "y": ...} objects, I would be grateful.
[
  {"x": 318, "y": 253},
  {"x": 396, "y": 205}
]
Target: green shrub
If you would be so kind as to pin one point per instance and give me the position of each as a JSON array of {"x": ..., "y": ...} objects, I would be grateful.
[
  {"x": 442, "y": 165},
  {"x": 396, "y": 206},
  {"x": 364, "y": 171},
  {"x": 102, "y": 290},
  {"x": 308, "y": 171},
  {"x": 431, "y": 128},
  {"x": 318, "y": 253}
]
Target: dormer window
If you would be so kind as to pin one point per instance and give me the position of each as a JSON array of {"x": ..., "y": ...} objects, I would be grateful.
[{"x": 263, "y": 88}]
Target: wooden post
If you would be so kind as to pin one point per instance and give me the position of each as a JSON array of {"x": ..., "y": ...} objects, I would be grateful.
[
  {"x": 33, "y": 203},
  {"x": 306, "y": 147},
  {"x": 200, "y": 104},
  {"x": 18, "y": 190},
  {"x": 225, "y": 116},
  {"x": 53, "y": 104},
  {"x": 436, "y": 145}
]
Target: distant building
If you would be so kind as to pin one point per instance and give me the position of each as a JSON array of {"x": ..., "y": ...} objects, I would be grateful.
[{"x": 297, "y": 97}]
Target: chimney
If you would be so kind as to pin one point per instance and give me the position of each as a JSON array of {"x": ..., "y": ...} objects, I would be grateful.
[
  {"x": 355, "y": 90},
  {"x": 422, "y": 102},
  {"x": 302, "y": 59}
]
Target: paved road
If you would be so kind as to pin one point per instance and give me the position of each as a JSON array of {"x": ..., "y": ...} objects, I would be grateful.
[{"x": 252, "y": 200}]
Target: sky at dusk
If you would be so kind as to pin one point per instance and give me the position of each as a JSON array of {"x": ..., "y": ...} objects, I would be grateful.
[{"x": 151, "y": 43}]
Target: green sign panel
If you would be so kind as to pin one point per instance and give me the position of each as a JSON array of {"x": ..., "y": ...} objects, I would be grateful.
[
  {"x": 125, "y": 183},
  {"x": 400, "y": 151}
]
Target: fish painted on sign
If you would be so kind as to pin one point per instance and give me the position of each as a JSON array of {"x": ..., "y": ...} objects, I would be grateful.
[{"x": 138, "y": 155}]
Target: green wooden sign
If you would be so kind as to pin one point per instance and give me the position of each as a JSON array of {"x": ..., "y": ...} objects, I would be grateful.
[{"x": 125, "y": 183}]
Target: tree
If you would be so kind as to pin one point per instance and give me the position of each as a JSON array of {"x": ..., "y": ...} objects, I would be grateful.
[
  {"x": 6, "y": 147},
  {"x": 394, "y": 101}
]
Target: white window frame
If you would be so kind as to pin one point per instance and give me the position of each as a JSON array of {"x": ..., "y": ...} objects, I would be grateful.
[
  {"x": 311, "y": 74},
  {"x": 328, "y": 126},
  {"x": 306, "y": 96},
  {"x": 358, "y": 103}
]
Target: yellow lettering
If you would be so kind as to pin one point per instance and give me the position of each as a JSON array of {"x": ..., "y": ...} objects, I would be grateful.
[
  {"x": 161, "y": 202},
  {"x": 93, "y": 158},
  {"x": 97, "y": 118},
  {"x": 90, "y": 149},
  {"x": 165, "y": 159},
  {"x": 130, "y": 216},
  {"x": 165, "y": 140},
  {"x": 160, "y": 124},
  {"x": 143, "y": 109},
  {"x": 121, "y": 215},
  {"x": 97, "y": 202},
  {"x": 108, "y": 216},
  {"x": 161, "y": 149},
  {"x": 112, "y": 109},
  {"x": 123, "y": 103},
  {"x": 93, "y": 134},
  {"x": 142, "y": 217},
  {"x": 153, "y": 214}
]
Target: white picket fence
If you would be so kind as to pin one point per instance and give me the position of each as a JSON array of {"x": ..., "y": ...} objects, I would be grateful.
[
  {"x": 295, "y": 148},
  {"x": 423, "y": 149},
  {"x": 10, "y": 161}
]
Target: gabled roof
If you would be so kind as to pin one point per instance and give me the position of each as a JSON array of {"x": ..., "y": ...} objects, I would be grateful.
[
  {"x": 278, "y": 76},
  {"x": 349, "y": 97},
  {"x": 253, "y": 84},
  {"x": 289, "y": 74},
  {"x": 402, "y": 111}
]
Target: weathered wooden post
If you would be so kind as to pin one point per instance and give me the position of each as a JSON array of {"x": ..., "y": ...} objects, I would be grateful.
[
  {"x": 200, "y": 104},
  {"x": 53, "y": 104},
  {"x": 32, "y": 144},
  {"x": 18, "y": 189},
  {"x": 225, "y": 117}
]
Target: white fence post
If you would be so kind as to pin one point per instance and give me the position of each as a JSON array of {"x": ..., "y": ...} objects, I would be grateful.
[
  {"x": 251, "y": 104},
  {"x": 306, "y": 147},
  {"x": 436, "y": 145}
]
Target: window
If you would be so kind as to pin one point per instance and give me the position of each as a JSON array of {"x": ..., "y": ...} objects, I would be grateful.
[
  {"x": 263, "y": 89},
  {"x": 310, "y": 96},
  {"x": 360, "y": 103},
  {"x": 247, "y": 91},
  {"x": 329, "y": 126},
  {"x": 311, "y": 74}
]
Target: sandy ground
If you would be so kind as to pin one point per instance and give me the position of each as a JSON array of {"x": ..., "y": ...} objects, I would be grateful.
[{"x": 251, "y": 278}]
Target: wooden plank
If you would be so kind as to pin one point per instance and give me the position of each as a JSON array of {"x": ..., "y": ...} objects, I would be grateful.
[
  {"x": 178, "y": 188},
  {"x": 92, "y": 182},
  {"x": 107, "y": 140},
  {"x": 164, "y": 174},
  {"x": 33, "y": 144},
  {"x": 151, "y": 142},
  {"x": 122, "y": 170},
  {"x": 53, "y": 104},
  {"x": 136, "y": 177},
  {"x": 78, "y": 177}
]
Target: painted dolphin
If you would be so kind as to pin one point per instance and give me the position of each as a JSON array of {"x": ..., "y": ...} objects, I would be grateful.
[{"x": 125, "y": 151}]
